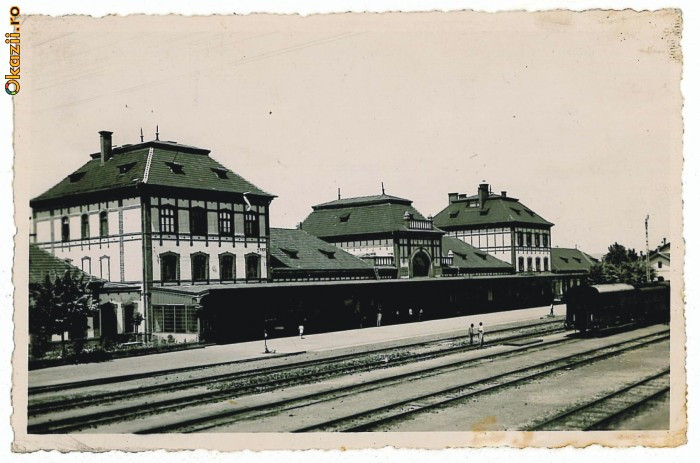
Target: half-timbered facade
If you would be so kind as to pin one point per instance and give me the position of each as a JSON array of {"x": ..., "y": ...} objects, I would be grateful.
[
  {"x": 501, "y": 226},
  {"x": 384, "y": 230},
  {"x": 156, "y": 214}
]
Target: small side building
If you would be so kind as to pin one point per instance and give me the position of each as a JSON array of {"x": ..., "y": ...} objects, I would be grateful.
[
  {"x": 464, "y": 259},
  {"x": 660, "y": 261},
  {"x": 298, "y": 256},
  {"x": 570, "y": 267}
]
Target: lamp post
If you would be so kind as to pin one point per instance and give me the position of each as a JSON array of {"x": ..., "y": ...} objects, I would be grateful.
[{"x": 646, "y": 231}]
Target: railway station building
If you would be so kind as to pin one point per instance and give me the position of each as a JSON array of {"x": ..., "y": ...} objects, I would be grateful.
[
  {"x": 384, "y": 230},
  {"x": 155, "y": 215},
  {"x": 501, "y": 226}
]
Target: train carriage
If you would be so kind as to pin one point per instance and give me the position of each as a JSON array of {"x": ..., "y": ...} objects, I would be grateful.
[{"x": 596, "y": 308}]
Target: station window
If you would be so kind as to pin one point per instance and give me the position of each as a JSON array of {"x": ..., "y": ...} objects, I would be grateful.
[
  {"x": 198, "y": 221},
  {"x": 546, "y": 264},
  {"x": 252, "y": 224},
  {"x": 521, "y": 264},
  {"x": 520, "y": 238},
  {"x": 200, "y": 267},
  {"x": 169, "y": 267},
  {"x": 529, "y": 264},
  {"x": 65, "y": 229},
  {"x": 104, "y": 225},
  {"x": 528, "y": 238},
  {"x": 252, "y": 267},
  {"x": 174, "y": 319},
  {"x": 545, "y": 240},
  {"x": 84, "y": 227},
  {"x": 537, "y": 240},
  {"x": 168, "y": 221},
  {"x": 227, "y": 267},
  {"x": 225, "y": 223},
  {"x": 660, "y": 264},
  {"x": 537, "y": 264}
]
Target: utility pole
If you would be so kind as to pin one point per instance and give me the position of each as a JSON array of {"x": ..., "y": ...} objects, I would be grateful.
[{"x": 646, "y": 231}]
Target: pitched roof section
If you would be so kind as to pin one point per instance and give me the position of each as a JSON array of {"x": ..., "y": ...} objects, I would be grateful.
[
  {"x": 363, "y": 201},
  {"x": 366, "y": 215},
  {"x": 42, "y": 263},
  {"x": 568, "y": 260},
  {"x": 497, "y": 209},
  {"x": 298, "y": 250},
  {"x": 127, "y": 166},
  {"x": 467, "y": 257}
]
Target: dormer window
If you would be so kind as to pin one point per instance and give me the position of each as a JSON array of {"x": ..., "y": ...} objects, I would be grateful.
[
  {"x": 175, "y": 168},
  {"x": 76, "y": 176},
  {"x": 221, "y": 173},
  {"x": 407, "y": 215},
  {"x": 517, "y": 211},
  {"x": 124, "y": 168},
  {"x": 454, "y": 214},
  {"x": 291, "y": 253},
  {"x": 484, "y": 212},
  {"x": 327, "y": 253},
  {"x": 482, "y": 255},
  {"x": 344, "y": 218}
]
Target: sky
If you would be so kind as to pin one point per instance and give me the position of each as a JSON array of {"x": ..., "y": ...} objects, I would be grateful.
[{"x": 577, "y": 115}]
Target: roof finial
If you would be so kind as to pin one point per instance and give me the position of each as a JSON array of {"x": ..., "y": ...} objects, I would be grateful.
[
  {"x": 338, "y": 192},
  {"x": 141, "y": 134},
  {"x": 382, "y": 188},
  {"x": 157, "y": 133}
]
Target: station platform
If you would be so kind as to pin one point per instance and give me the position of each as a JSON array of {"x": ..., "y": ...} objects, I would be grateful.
[{"x": 360, "y": 339}]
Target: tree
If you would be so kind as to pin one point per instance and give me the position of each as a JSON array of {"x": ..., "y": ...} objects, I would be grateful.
[
  {"x": 620, "y": 265},
  {"x": 60, "y": 305}
]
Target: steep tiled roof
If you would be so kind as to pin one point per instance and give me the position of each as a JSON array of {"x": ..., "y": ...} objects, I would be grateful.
[
  {"x": 566, "y": 260},
  {"x": 362, "y": 201},
  {"x": 497, "y": 209},
  {"x": 296, "y": 249},
  {"x": 361, "y": 216},
  {"x": 467, "y": 257},
  {"x": 42, "y": 263},
  {"x": 127, "y": 169},
  {"x": 663, "y": 251}
]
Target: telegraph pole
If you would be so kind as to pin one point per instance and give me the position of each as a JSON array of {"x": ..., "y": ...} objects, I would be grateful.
[{"x": 646, "y": 231}]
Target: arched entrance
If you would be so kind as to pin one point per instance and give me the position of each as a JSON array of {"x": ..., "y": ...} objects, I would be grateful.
[{"x": 420, "y": 265}]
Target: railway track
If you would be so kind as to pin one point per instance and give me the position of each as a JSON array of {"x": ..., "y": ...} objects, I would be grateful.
[
  {"x": 48, "y": 413},
  {"x": 597, "y": 414},
  {"x": 369, "y": 419}
]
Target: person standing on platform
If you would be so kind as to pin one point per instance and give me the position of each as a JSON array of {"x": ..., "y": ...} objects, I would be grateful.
[
  {"x": 481, "y": 334},
  {"x": 379, "y": 315},
  {"x": 551, "y": 310},
  {"x": 471, "y": 334},
  {"x": 301, "y": 330}
]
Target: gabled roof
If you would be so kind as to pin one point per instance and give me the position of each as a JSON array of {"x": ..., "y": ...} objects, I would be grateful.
[
  {"x": 663, "y": 251},
  {"x": 364, "y": 216},
  {"x": 129, "y": 166},
  {"x": 42, "y": 263},
  {"x": 497, "y": 209},
  {"x": 363, "y": 201},
  {"x": 298, "y": 250},
  {"x": 466, "y": 256},
  {"x": 566, "y": 260}
]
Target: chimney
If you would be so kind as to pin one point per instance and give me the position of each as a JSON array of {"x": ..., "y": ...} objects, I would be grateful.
[
  {"x": 452, "y": 197},
  {"x": 503, "y": 194},
  {"x": 483, "y": 193},
  {"x": 105, "y": 146}
]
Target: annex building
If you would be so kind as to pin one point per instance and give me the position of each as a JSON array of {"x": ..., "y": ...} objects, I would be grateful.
[{"x": 501, "y": 226}]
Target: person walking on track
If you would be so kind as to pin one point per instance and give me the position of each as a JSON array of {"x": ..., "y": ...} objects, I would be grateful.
[
  {"x": 471, "y": 334},
  {"x": 481, "y": 334}
]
